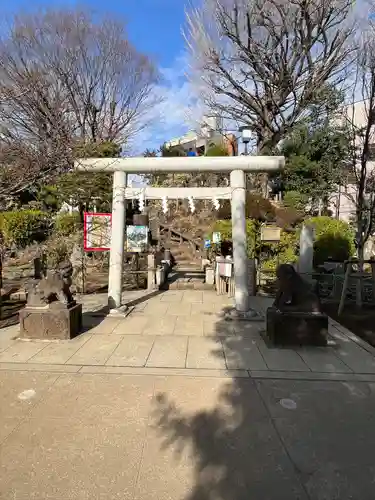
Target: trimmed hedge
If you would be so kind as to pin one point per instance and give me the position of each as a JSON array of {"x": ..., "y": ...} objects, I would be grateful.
[
  {"x": 23, "y": 227},
  {"x": 334, "y": 239}
]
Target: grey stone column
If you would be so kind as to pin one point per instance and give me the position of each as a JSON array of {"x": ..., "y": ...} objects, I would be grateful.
[
  {"x": 241, "y": 280},
  {"x": 306, "y": 251},
  {"x": 116, "y": 260}
]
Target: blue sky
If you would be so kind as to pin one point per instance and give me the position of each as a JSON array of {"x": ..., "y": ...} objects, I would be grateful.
[{"x": 154, "y": 26}]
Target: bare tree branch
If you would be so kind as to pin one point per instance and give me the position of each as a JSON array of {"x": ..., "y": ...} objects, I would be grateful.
[
  {"x": 264, "y": 63},
  {"x": 67, "y": 78},
  {"x": 360, "y": 121}
]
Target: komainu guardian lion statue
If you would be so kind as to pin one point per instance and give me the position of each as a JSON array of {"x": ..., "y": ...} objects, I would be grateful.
[{"x": 54, "y": 288}]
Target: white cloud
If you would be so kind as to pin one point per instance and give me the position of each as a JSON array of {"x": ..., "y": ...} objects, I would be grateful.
[{"x": 178, "y": 111}]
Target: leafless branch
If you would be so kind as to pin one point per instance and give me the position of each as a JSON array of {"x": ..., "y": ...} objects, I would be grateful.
[
  {"x": 67, "y": 78},
  {"x": 264, "y": 63},
  {"x": 360, "y": 121}
]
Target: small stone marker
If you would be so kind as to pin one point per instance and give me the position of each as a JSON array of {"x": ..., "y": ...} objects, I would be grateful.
[{"x": 306, "y": 250}]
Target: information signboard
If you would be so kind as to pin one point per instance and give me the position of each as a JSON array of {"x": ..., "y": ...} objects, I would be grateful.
[
  {"x": 97, "y": 231},
  {"x": 136, "y": 238}
]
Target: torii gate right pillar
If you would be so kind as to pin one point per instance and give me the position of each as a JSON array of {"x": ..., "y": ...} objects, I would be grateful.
[{"x": 241, "y": 269}]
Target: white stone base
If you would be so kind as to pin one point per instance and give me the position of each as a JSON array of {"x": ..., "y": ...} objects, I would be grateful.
[{"x": 120, "y": 312}]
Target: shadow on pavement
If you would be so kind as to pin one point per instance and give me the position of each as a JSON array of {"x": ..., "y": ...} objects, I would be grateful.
[{"x": 275, "y": 439}]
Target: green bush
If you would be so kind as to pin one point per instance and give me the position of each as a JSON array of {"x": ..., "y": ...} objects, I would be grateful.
[
  {"x": 67, "y": 224},
  {"x": 295, "y": 200},
  {"x": 23, "y": 227},
  {"x": 334, "y": 239},
  {"x": 217, "y": 150},
  {"x": 225, "y": 228},
  {"x": 283, "y": 252}
]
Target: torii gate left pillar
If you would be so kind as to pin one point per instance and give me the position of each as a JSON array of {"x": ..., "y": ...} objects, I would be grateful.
[{"x": 237, "y": 166}]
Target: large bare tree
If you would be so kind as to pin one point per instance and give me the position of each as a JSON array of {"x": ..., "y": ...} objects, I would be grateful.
[
  {"x": 264, "y": 63},
  {"x": 67, "y": 78},
  {"x": 359, "y": 117}
]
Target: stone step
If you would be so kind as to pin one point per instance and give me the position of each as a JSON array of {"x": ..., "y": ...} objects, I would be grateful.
[
  {"x": 187, "y": 268},
  {"x": 185, "y": 279},
  {"x": 189, "y": 285}
]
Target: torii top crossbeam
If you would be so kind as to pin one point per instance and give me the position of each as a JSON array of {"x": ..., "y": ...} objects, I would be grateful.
[{"x": 183, "y": 164}]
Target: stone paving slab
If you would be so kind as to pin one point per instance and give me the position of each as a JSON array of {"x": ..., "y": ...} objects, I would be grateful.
[
  {"x": 189, "y": 326},
  {"x": 96, "y": 351},
  {"x": 168, "y": 352},
  {"x": 160, "y": 325},
  {"x": 323, "y": 360},
  {"x": 174, "y": 296},
  {"x": 182, "y": 309},
  {"x": 205, "y": 353},
  {"x": 59, "y": 352},
  {"x": 282, "y": 359},
  {"x": 105, "y": 327},
  {"x": 215, "y": 327},
  {"x": 21, "y": 351},
  {"x": 132, "y": 325},
  {"x": 132, "y": 350},
  {"x": 243, "y": 354}
]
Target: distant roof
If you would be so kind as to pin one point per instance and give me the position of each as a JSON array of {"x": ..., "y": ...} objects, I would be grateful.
[{"x": 189, "y": 137}]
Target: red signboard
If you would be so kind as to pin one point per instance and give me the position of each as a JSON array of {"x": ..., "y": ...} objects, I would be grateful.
[{"x": 97, "y": 232}]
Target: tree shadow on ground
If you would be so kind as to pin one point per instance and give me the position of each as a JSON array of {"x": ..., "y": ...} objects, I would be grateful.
[
  {"x": 247, "y": 443},
  {"x": 235, "y": 448}
]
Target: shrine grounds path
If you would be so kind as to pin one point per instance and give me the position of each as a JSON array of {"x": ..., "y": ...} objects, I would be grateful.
[{"x": 175, "y": 403}]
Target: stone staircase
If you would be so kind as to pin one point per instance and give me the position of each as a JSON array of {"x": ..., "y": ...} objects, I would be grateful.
[
  {"x": 187, "y": 272},
  {"x": 187, "y": 279},
  {"x": 187, "y": 250}
]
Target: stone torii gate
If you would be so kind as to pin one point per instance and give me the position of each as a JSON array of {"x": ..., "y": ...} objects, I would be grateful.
[{"x": 237, "y": 166}]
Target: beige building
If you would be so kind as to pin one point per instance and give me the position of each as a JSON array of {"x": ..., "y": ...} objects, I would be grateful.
[
  {"x": 342, "y": 204},
  {"x": 210, "y": 134}
]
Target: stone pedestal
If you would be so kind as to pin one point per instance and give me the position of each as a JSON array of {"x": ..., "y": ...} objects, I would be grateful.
[
  {"x": 296, "y": 328},
  {"x": 52, "y": 323}
]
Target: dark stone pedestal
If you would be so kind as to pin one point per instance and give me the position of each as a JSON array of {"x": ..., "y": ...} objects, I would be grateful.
[
  {"x": 59, "y": 323},
  {"x": 296, "y": 328}
]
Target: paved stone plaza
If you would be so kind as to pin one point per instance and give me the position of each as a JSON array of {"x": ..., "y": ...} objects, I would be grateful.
[
  {"x": 183, "y": 332},
  {"x": 174, "y": 403}
]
